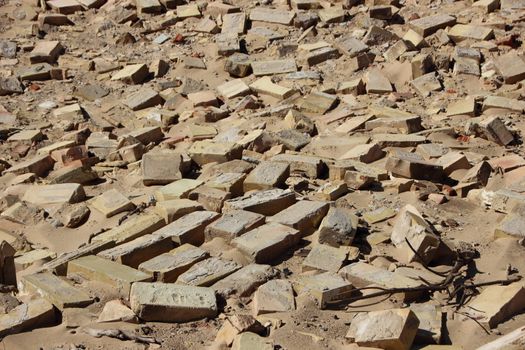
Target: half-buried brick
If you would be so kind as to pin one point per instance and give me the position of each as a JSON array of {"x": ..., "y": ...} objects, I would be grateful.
[
  {"x": 268, "y": 202},
  {"x": 138, "y": 250},
  {"x": 55, "y": 194},
  {"x": 267, "y": 243},
  {"x": 169, "y": 266},
  {"x": 189, "y": 228},
  {"x": 207, "y": 272},
  {"x": 35, "y": 313},
  {"x": 167, "y": 302},
  {"x": 94, "y": 268},
  {"x": 326, "y": 287},
  {"x": 135, "y": 227},
  {"x": 55, "y": 290},
  {"x": 304, "y": 216}
]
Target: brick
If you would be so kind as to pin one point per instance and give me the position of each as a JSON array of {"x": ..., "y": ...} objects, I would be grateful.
[
  {"x": 261, "y": 68},
  {"x": 134, "y": 252},
  {"x": 132, "y": 74},
  {"x": 207, "y": 272},
  {"x": 414, "y": 39},
  {"x": 487, "y": 5},
  {"x": 210, "y": 198},
  {"x": 292, "y": 139},
  {"x": 238, "y": 65},
  {"x": 430, "y": 319},
  {"x": 266, "y": 243},
  {"x": 338, "y": 227},
  {"x": 496, "y": 131},
  {"x": 388, "y": 329},
  {"x": 167, "y": 302},
  {"x": 274, "y": 296},
  {"x": 496, "y": 304},
  {"x": 318, "y": 102},
  {"x": 65, "y": 7},
  {"x": 271, "y": 15},
  {"x": 234, "y": 23},
  {"x": 244, "y": 281},
  {"x": 39, "y": 165},
  {"x": 479, "y": 173},
  {"x": 34, "y": 313},
  {"x": 207, "y": 151},
  {"x": 118, "y": 276},
  {"x": 249, "y": 340},
  {"x": 431, "y": 24},
  {"x": 511, "y": 67},
  {"x": 268, "y": 202},
  {"x": 55, "y": 194},
  {"x": 304, "y": 216},
  {"x": 228, "y": 182},
  {"x": 404, "y": 125},
  {"x": 426, "y": 84},
  {"x": 395, "y": 51},
  {"x": 169, "y": 266},
  {"x": 453, "y": 161},
  {"x": 308, "y": 166},
  {"x": 413, "y": 166},
  {"x": 324, "y": 258},
  {"x": 162, "y": 168},
  {"x": 326, "y": 288},
  {"x": 186, "y": 11},
  {"x": 144, "y": 98},
  {"x": 27, "y": 135},
  {"x": 174, "y": 209},
  {"x": 513, "y": 224},
  {"x": 461, "y": 32},
  {"x": 410, "y": 225},
  {"x": 189, "y": 228},
  {"x": 133, "y": 228},
  {"x": 233, "y": 88},
  {"x": 377, "y": 83},
  {"x": 503, "y": 103},
  {"x": 10, "y": 85},
  {"x": 233, "y": 224},
  {"x": 333, "y": 14},
  {"x": 111, "y": 203},
  {"x": 46, "y": 51},
  {"x": 266, "y": 86},
  {"x": 351, "y": 46},
  {"x": 177, "y": 189},
  {"x": 267, "y": 175},
  {"x": 228, "y": 45},
  {"x": 55, "y": 290}
]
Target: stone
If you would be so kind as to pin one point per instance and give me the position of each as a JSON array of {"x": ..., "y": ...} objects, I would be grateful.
[
  {"x": 55, "y": 194},
  {"x": 362, "y": 274},
  {"x": 134, "y": 252},
  {"x": 267, "y": 175},
  {"x": 189, "y": 228},
  {"x": 233, "y": 224},
  {"x": 326, "y": 288},
  {"x": 511, "y": 67},
  {"x": 513, "y": 224},
  {"x": 207, "y": 151},
  {"x": 55, "y": 290},
  {"x": 412, "y": 227},
  {"x": 169, "y": 266},
  {"x": 116, "y": 311},
  {"x": 144, "y": 98},
  {"x": 233, "y": 88},
  {"x": 39, "y": 165},
  {"x": 393, "y": 329},
  {"x": 162, "y": 168},
  {"x": 261, "y": 68},
  {"x": 46, "y": 51},
  {"x": 413, "y": 166},
  {"x": 234, "y": 23},
  {"x": 238, "y": 65},
  {"x": 303, "y": 216},
  {"x": 302, "y": 165},
  {"x": 135, "y": 227},
  {"x": 111, "y": 203},
  {"x": 244, "y": 281},
  {"x": 431, "y": 24},
  {"x": 430, "y": 318},
  {"x": 496, "y": 304},
  {"x": 168, "y": 302},
  {"x": 366, "y": 153},
  {"x": 266, "y": 86},
  {"x": 273, "y": 296},
  {"x": 271, "y": 15},
  {"x": 10, "y": 85},
  {"x": 132, "y": 74},
  {"x": 268, "y": 202},
  {"x": 377, "y": 83},
  {"x": 118, "y": 276},
  {"x": 324, "y": 258},
  {"x": 249, "y": 340},
  {"x": 206, "y": 272},
  {"x": 266, "y": 243},
  {"x": 174, "y": 209},
  {"x": 177, "y": 189},
  {"x": 338, "y": 228},
  {"x": 7, "y": 264},
  {"x": 34, "y": 313}
]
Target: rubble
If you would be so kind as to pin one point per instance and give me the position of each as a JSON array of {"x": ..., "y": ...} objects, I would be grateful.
[{"x": 236, "y": 167}]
